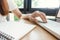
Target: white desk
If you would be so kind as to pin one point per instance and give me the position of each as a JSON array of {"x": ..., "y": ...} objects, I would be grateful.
[{"x": 16, "y": 29}]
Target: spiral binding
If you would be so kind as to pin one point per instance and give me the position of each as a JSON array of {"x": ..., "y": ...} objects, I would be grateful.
[{"x": 4, "y": 36}]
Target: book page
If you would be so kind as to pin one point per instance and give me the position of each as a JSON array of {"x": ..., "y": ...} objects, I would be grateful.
[{"x": 16, "y": 29}]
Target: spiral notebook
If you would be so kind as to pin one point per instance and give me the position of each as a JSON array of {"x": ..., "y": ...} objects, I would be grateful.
[
  {"x": 15, "y": 30},
  {"x": 4, "y": 36}
]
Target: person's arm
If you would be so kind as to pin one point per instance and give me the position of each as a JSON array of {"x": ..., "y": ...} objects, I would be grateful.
[
  {"x": 17, "y": 12},
  {"x": 14, "y": 8}
]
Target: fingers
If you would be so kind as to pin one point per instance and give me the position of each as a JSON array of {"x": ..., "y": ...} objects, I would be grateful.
[
  {"x": 41, "y": 15},
  {"x": 35, "y": 14}
]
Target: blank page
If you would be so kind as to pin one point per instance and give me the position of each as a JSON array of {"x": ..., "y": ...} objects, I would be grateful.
[{"x": 16, "y": 29}]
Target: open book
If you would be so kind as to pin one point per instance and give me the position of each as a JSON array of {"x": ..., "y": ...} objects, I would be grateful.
[{"x": 14, "y": 30}]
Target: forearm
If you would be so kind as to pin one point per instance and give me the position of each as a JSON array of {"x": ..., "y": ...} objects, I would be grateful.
[{"x": 17, "y": 13}]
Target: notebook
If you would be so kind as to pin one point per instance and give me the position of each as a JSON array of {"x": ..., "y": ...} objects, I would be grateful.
[{"x": 14, "y": 30}]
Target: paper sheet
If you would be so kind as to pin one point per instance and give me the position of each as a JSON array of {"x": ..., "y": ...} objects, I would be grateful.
[{"x": 16, "y": 29}]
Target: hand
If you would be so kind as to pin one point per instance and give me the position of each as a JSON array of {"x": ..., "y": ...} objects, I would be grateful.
[
  {"x": 41, "y": 15},
  {"x": 35, "y": 14},
  {"x": 30, "y": 18}
]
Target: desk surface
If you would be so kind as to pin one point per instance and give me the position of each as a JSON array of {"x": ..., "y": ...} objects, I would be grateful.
[
  {"x": 39, "y": 34},
  {"x": 36, "y": 34}
]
